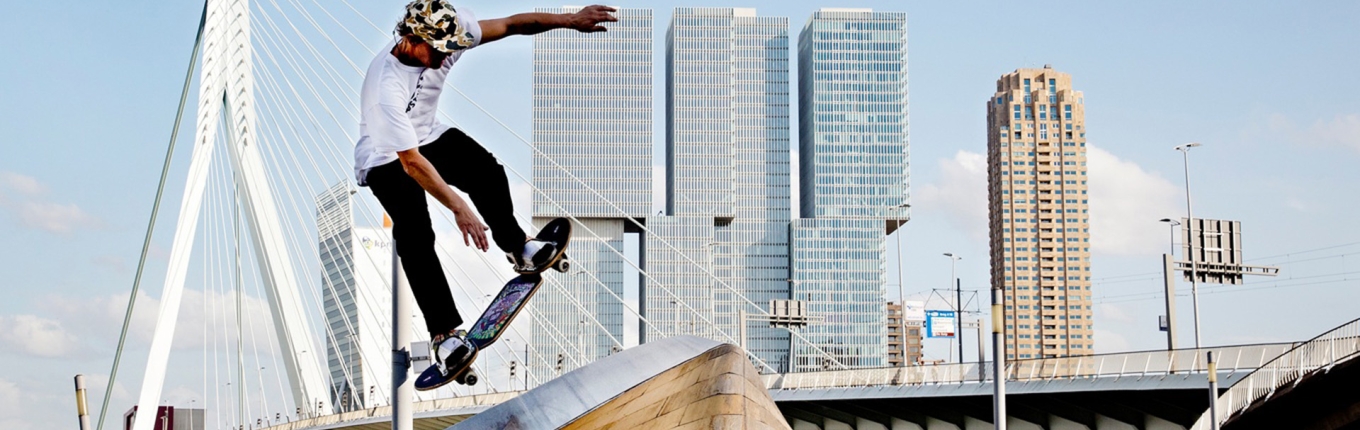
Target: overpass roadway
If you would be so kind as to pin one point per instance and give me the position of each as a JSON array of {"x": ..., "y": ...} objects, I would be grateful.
[{"x": 1139, "y": 390}]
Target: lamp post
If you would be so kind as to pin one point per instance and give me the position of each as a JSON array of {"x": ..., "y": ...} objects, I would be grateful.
[
  {"x": 1173, "y": 223},
  {"x": 958, "y": 301},
  {"x": 1190, "y": 255},
  {"x": 1169, "y": 281},
  {"x": 901, "y": 297}
]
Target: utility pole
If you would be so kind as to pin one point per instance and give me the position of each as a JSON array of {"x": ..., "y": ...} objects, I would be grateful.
[
  {"x": 1213, "y": 392},
  {"x": 958, "y": 314},
  {"x": 958, "y": 301},
  {"x": 402, "y": 388}
]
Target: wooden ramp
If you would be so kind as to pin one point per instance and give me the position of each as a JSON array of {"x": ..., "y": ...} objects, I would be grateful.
[{"x": 682, "y": 382}]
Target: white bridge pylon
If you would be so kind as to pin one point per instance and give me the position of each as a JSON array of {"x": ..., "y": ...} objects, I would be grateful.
[{"x": 226, "y": 93}]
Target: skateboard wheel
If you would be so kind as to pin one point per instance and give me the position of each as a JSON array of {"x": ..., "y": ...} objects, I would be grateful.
[
  {"x": 562, "y": 266},
  {"x": 470, "y": 379}
]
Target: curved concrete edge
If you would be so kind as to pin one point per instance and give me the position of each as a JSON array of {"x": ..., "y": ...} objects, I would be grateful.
[
  {"x": 716, "y": 390},
  {"x": 682, "y": 380}
]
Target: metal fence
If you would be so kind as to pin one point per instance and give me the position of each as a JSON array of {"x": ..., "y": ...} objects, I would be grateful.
[
  {"x": 1319, "y": 353},
  {"x": 1231, "y": 359}
]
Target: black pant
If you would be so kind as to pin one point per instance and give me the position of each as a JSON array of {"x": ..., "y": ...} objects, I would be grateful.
[{"x": 466, "y": 165}]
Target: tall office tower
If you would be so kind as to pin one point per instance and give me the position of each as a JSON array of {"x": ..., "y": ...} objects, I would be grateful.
[
  {"x": 727, "y": 188},
  {"x": 1040, "y": 237},
  {"x": 356, "y": 265},
  {"x": 852, "y": 107},
  {"x": 593, "y": 128}
]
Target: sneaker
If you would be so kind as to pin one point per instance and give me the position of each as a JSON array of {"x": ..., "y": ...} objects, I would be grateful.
[
  {"x": 534, "y": 255},
  {"x": 453, "y": 349}
]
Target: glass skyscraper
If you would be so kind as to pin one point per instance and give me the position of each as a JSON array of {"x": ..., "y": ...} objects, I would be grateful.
[
  {"x": 593, "y": 125},
  {"x": 727, "y": 190},
  {"x": 853, "y": 159}
]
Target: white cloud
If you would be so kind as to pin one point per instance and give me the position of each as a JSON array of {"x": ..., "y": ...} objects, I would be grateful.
[
  {"x": 1110, "y": 342},
  {"x": 53, "y": 217},
  {"x": 212, "y": 314},
  {"x": 37, "y": 336},
  {"x": 29, "y": 401},
  {"x": 1343, "y": 131},
  {"x": 21, "y": 183},
  {"x": 1114, "y": 313},
  {"x": 12, "y": 407},
  {"x": 1126, "y": 202},
  {"x": 97, "y": 383},
  {"x": 113, "y": 263},
  {"x": 961, "y": 192},
  {"x": 34, "y": 211}
]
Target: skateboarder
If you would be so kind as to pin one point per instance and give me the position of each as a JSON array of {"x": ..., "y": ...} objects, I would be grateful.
[{"x": 404, "y": 152}]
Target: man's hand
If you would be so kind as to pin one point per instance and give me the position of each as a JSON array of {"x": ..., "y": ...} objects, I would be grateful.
[
  {"x": 474, "y": 232},
  {"x": 588, "y": 19}
]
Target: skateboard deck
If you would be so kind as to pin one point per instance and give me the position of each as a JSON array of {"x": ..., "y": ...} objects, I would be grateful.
[{"x": 502, "y": 310}]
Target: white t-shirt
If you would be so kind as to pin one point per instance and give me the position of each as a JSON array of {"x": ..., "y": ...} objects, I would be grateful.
[{"x": 398, "y": 104}]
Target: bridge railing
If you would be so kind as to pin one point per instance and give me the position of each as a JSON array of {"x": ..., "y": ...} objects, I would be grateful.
[
  {"x": 1134, "y": 364},
  {"x": 1289, "y": 368}
]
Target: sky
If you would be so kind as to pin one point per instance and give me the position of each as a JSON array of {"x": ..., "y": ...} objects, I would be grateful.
[{"x": 1268, "y": 88}]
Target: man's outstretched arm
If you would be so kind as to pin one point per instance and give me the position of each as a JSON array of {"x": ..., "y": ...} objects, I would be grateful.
[{"x": 587, "y": 20}]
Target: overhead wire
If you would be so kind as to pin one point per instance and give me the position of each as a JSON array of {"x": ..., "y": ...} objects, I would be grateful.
[
  {"x": 643, "y": 228},
  {"x": 587, "y": 313},
  {"x": 370, "y": 259},
  {"x": 333, "y": 117}
]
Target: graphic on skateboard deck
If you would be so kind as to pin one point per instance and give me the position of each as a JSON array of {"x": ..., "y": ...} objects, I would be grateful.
[{"x": 502, "y": 310}]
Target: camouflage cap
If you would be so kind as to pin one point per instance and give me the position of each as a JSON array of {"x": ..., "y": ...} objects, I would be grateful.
[{"x": 436, "y": 21}]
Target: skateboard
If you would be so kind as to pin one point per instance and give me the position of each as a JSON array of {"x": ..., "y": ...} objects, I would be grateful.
[{"x": 502, "y": 310}]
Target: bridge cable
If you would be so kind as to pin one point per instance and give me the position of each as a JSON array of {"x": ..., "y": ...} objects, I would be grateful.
[
  {"x": 151, "y": 225},
  {"x": 634, "y": 221},
  {"x": 314, "y": 52}
]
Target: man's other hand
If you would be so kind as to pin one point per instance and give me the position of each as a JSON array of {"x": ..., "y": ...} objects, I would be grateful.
[{"x": 588, "y": 19}]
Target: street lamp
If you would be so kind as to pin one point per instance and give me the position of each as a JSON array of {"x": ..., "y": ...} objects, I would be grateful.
[
  {"x": 1173, "y": 223},
  {"x": 1167, "y": 271},
  {"x": 1190, "y": 217},
  {"x": 901, "y": 297},
  {"x": 958, "y": 302}
]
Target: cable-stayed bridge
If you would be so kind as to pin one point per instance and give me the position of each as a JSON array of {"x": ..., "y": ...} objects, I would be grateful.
[
  {"x": 269, "y": 242},
  {"x": 292, "y": 306}
]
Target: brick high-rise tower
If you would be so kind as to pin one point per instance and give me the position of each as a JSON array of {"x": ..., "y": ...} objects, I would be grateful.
[{"x": 1038, "y": 213}]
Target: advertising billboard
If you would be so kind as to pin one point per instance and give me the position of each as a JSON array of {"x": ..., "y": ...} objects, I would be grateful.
[
  {"x": 913, "y": 310},
  {"x": 940, "y": 324}
]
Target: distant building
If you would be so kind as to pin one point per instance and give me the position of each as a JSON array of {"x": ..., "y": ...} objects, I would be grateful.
[
  {"x": 852, "y": 107},
  {"x": 356, "y": 271},
  {"x": 1040, "y": 228},
  {"x": 727, "y": 188},
  {"x": 169, "y": 418},
  {"x": 593, "y": 129},
  {"x": 904, "y": 337}
]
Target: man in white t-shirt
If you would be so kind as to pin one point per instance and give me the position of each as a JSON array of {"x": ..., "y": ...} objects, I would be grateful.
[{"x": 404, "y": 152}]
